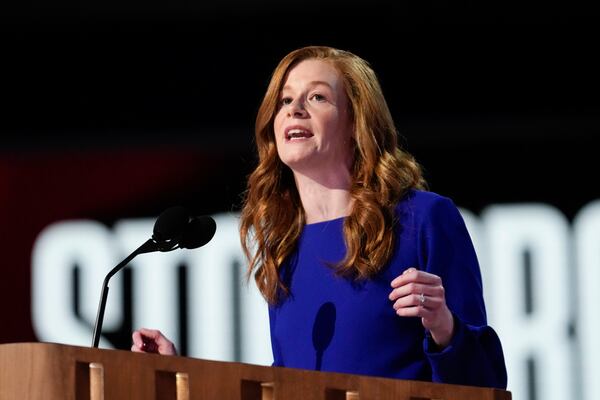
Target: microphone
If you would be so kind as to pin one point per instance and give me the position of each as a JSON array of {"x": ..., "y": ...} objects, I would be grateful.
[
  {"x": 174, "y": 229},
  {"x": 198, "y": 232}
]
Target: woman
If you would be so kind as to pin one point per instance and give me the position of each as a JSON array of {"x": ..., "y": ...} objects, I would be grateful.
[{"x": 364, "y": 271}]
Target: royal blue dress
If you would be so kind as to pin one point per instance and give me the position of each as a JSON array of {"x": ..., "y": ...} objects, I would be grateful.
[{"x": 331, "y": 323}]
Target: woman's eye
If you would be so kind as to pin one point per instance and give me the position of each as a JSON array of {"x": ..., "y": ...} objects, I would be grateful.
[
  {"x": 318, "y": 97},
  {"x": 285, "y": 101}
]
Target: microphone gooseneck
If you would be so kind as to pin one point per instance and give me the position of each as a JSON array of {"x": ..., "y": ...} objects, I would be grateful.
[{"x": 173, "y": 229}]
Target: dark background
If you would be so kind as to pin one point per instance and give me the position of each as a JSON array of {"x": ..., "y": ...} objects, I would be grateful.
[{"x": 115, "y": 109}]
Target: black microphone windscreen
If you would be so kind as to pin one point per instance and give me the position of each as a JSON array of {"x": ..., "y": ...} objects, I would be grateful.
[
  {"x": 199, "y": 231},
  {"x": 171, "y": 224}
]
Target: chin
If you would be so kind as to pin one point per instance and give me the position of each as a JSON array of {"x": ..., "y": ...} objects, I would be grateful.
[{"x": 297, "y": 163}]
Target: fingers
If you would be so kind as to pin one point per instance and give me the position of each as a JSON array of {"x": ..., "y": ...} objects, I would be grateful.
[
  {"x": 425, "y": 314},
  {"x": 414, "y": 275},
  {"x": 136, "y": 349},
  {"x": 421, "y": 294},
  {"x": 150, "y": 333},
  {"x": 413, "y": 281},
  {"x": 418, "y": 294},
  {"x": 433, "y": 311},
  {"x": 415, "y": 306},
  {"x": 416, "y": 289},
  {"x": 151, "y": 341},
  {"x": 137, "y": 341},
  {"x": 147, "y": 340}
]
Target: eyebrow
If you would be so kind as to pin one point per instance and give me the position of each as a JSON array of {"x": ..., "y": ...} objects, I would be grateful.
[{"x": 311, "y": 83}]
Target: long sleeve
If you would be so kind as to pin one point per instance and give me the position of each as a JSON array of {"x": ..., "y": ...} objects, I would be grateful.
[
  {"x": 334, "y": 323},
  {"x": 474, "y": 355},
  {"x": 274, "y": 343}
]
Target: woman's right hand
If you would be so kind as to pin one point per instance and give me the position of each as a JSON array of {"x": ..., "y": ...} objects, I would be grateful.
[{"x": 152, "y": 341}]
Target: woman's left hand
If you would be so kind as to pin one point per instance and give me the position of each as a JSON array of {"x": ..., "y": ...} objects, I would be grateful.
[{"x": 421, "y": 294}]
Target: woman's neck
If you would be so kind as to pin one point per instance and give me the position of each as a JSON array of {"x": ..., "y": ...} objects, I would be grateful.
[{"x": 326, "y": 197}]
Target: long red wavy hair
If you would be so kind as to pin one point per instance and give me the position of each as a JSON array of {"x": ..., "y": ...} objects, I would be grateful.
[{"x": 272, "y": 217}]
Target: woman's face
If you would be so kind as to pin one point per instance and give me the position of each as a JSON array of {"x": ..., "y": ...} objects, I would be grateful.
[{"x": 312, "y": 125}]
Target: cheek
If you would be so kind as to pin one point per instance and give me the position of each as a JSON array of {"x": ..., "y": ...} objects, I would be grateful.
[
  {"x": 277, "y": 128},
  {"x": 278, "y": 125},
  {"x": 337, "y": 129}
]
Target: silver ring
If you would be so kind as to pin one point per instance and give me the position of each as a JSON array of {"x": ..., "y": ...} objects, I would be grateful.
[{"x": 422, "y": 299}]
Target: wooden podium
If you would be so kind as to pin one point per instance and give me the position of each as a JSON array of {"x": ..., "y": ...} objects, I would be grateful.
[{"x": 32, "y": 371}]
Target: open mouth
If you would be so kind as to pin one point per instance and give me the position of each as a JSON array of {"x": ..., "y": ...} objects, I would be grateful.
[{"x": 296, "y": 133}]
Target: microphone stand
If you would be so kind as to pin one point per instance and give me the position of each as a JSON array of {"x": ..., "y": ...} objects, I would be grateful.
[
  {"x": 149, "y": 246},
  {"x": 172, "y": 230}
]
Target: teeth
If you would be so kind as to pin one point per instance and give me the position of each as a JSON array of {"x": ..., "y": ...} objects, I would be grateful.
[{"x": 295, "y": 133}]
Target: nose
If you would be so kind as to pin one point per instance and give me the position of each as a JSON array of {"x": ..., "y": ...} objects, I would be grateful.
[{"x": 297, "y": 109}]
